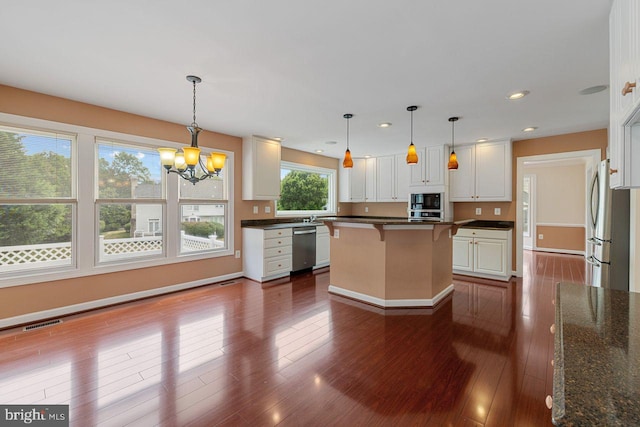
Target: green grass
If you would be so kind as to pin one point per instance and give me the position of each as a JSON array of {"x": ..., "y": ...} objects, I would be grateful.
[{"x": 117, "y": 234}]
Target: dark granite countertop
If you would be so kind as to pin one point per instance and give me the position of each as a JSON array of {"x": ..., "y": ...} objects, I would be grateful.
[
  {"x": 388, "y": 221},
  {"x": 498, "y": 225},
  {"x": 596, "y": 380}
]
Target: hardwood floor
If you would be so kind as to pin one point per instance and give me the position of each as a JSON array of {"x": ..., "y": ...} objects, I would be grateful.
[{"x": 291, "y": 354}]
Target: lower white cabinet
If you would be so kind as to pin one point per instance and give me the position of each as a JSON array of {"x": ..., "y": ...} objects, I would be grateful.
[
  {"x": 482, "y": 253},
  {"x": 267, "y": 253},
  {"x": 322, "y": 246}
]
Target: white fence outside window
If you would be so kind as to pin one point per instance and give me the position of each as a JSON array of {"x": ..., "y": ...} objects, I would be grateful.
[{"x": 59, "y": 254}]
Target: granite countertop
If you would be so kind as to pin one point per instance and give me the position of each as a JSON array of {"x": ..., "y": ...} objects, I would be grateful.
[
  {"x": 388, "y": 221},
  {"x": 596, "y": 379},
  {"x": 494, "y": 225}
]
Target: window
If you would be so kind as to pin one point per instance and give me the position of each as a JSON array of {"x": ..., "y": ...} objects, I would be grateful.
[
  {"x": 124, "y": 213},
  {"x": 37, "y": 200},
  {"x": 130, "y": 204},
  {"x": 203, "y": 210},
  {"x": 306, "y": 190}
]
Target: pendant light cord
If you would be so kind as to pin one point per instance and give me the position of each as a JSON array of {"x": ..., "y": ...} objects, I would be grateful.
[
  {"x": 347, "y": 133},
  {"x": 412, "y": 126},
  {"x": 453, "y": 145},
  {"x": 194, "y": 105}
]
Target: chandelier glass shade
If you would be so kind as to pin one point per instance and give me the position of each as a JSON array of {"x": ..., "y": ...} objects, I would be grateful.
[{"x": 185, "y": 161}]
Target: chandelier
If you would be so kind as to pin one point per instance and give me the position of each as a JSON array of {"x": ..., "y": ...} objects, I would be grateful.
[{"x": 183, "y": 162}]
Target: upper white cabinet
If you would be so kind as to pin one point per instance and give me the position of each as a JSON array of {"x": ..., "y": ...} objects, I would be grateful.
[
  {"x": 393, "y": 176},
  {"x": 430, "y": 170},
  {"x": 260, "y": 169},
  {"x": 353, "y": 182},
  {"x": 624, "y": 93},
  {"x": 483, "y": 174},
  {"x": 370, "y": 179}
]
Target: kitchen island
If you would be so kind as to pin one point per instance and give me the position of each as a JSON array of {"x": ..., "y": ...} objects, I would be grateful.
[
  {"x": 391, "y": 262},
  {"x": 596, "y": 377}
]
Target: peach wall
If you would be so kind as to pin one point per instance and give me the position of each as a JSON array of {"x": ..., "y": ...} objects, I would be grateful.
[{"x": 556, "y": 237}]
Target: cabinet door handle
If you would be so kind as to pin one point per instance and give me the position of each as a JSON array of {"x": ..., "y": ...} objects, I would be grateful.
[
  {"x": 612, "y": 171},
  {"x": 628, "y": 88},
  {"x": 471, "y": 243}
]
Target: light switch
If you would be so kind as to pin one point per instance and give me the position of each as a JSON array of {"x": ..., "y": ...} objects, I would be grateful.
[
  {"x": 336, "y": 233},
  {"x": 255, "y": 209},
  {"x": 540, "y": 236},
  {"x": 496, "y": 211},
  {"x": 478, "y": 211},
  {"x": 366, "y": 208}
]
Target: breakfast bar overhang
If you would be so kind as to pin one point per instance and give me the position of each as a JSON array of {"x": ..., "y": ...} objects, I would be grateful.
[{"x": 391, "y": 262}]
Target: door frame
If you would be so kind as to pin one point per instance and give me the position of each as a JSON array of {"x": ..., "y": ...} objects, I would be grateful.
[
  {"x": 532, "y": 210},
  {"x": 593, "y": 156}
]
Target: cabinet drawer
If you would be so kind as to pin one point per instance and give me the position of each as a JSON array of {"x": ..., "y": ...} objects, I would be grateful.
[
  {"x": 477, "y": 232},
  {"x": 277, "y": 251},
  {"x": 278, "y": 264},
  {"x": 278, "y": 232},
  {"x": 277, "y": 242}
]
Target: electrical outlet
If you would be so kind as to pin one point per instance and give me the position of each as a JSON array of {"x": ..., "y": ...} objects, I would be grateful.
[
  {"x": 338, "y": 209},
  {"x": 366, "y": 208},
  {"x": 237, "y": 254},
  {"x": 255, "y": 210},
  {"x": 496, "y": 211},
  {"x": 540, "y": 236},
  {"x": 267, "y": 209},
  {"x": 336, "y": 233},
  {"x": 478, "y": 211}
]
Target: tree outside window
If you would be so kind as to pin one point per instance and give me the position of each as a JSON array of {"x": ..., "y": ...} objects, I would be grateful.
[{"x": 306, "y": 190}]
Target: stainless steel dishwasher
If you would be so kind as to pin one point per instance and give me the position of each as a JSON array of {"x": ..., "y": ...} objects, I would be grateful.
[{"x": 304, "y": 248}]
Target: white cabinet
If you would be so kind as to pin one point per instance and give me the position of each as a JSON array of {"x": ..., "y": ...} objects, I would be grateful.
[
  {"x": 393, "y": 178},
  {"x": 260, "y": 169},
  {"x": 358, "y": 184},
  {"x": 483, "y": 174},
  {"x": 267, "y": 253},
  {"x": 624, "y": 93},
  {"x": 482, "y": 253},
  {"x": 430, "y": 170},
  {"x": 322, "y": 246}
]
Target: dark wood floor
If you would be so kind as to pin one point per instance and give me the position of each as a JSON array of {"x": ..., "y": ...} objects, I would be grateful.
[{"x": 290, "y": 354}]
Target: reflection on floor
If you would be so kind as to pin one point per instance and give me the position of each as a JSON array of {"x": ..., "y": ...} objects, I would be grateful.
[{"x": 290, "y": 354}]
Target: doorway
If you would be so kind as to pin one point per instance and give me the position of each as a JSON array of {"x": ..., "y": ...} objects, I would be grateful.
[
  {"x": 528, "y": 211},
  {"x": 590, "y": 159}
]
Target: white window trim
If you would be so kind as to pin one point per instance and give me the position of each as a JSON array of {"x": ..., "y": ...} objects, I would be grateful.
[
  {"x": 332, "y": 196},
  {"x": 85, "y": 225}
]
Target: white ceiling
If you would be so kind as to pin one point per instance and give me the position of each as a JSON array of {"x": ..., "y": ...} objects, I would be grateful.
[{"x": 292, "y": 68}]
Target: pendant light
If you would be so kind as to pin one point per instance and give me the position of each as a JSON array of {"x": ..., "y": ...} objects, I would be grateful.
[
  {"x": 185, "y": 161},
  {"x": 348, "y": 161},
  {"x": 412, "y": 156},
  {"x": 453, "y": 159}
]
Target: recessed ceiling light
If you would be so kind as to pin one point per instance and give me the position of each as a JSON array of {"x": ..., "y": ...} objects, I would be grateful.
[
  {"x": 367, "y": 156},
  {"x": 384, "y": 125},
  {"x": 482, "y": 140},
  {"x": 319, "y": 151},
  {"x": 517, "y": 95},
  {"x": 278, "y": 138},
  {"x": 331, "y": 142},
  {"x": 593, "y": 89},
  {"x": 529, "y": 129}
]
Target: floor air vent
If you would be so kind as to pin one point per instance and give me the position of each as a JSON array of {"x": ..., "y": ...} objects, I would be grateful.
[
  {"x": 42, "y": 325},
  {"x": 227, "y": 283}
]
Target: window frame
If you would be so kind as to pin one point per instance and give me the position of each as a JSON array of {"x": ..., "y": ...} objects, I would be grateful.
[
  {"x": 84, "y": 230},
  {"x": 332, "y": 196}
]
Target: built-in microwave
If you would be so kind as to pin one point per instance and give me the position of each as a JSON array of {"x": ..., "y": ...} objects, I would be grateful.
[{"x": 426, "y": 206}]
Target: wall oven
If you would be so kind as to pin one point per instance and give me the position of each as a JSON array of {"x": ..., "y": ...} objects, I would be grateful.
[{"x": 426, "y": 206}]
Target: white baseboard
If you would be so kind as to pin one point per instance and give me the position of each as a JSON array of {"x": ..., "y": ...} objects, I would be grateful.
[
  {"x": 560, "y": 251},
  {"x": 76, "y": 308},
  {"x": 391, "y": 303}
]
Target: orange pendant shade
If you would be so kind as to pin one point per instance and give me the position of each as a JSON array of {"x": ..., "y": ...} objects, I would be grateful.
[
  {"x": 348, "y": 161},
  {"x": 412, "y": 155},
  {"x": 453, "y": 161}
]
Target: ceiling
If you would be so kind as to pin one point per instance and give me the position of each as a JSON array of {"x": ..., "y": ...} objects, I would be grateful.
[{"x": 291, "y": 68}]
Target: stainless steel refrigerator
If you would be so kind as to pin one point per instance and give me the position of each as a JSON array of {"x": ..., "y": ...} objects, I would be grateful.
[{"x": 609, "y": 217}]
